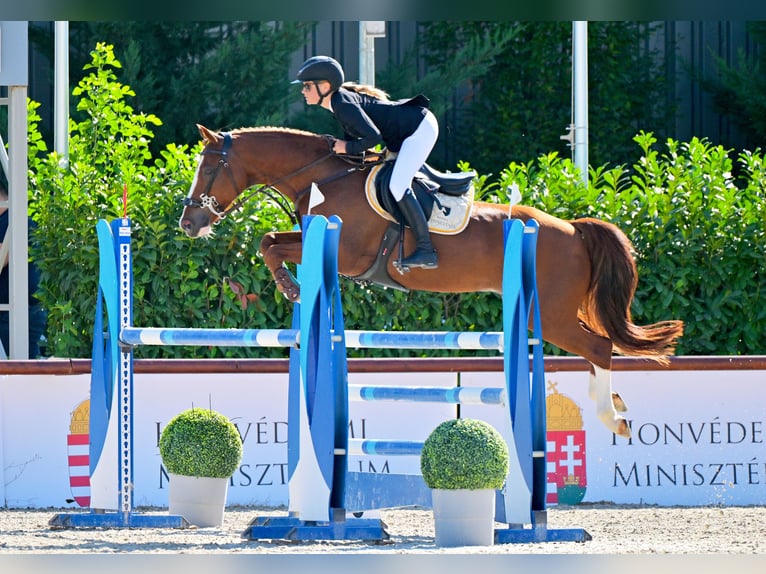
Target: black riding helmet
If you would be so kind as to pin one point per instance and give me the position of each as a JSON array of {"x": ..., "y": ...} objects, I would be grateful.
[{"x": 321, "y": 68}]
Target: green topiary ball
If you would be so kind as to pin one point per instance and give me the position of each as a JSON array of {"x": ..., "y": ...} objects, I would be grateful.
[
  {"x": 200, "y": 442},
  {"x": 464, "y": 454}
]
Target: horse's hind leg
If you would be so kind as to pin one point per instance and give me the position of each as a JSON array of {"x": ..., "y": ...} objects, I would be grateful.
[
  {"x": 572, "y": 337},
  {"x": 608, "y": 403},
  {"x": 595, "y": 384},
  {"x": 278, "y": 248}
]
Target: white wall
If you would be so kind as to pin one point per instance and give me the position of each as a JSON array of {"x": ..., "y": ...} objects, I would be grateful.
[{"x": 698, "y": 436}]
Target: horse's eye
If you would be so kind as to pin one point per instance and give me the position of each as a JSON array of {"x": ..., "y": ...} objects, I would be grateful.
[{"x": 208, "y": 171}]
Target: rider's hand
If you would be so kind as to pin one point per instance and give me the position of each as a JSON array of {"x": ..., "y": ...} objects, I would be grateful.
[{"x": 339, "y": 146}]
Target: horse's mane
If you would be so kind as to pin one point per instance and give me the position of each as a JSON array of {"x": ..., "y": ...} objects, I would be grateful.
[
  {"x": 276, "y": 130},
  {"x": 299, "y": 140}
]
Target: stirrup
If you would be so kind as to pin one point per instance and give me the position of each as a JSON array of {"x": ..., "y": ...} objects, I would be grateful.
[{"x": 418, "y": 260}]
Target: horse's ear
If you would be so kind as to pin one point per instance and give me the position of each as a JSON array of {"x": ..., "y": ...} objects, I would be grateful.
[{"x": 206, "y": 134}]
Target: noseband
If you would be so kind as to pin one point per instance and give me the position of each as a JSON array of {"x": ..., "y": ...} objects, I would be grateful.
[{"x": 209, "y": 201}]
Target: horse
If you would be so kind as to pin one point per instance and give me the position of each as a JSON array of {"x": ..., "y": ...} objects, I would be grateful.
[{"x": 586, "y": 273}]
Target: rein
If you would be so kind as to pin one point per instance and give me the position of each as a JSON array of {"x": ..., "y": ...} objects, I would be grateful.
[
  {"x": 358, "y": 163},
  {"x": 210, "y": 202}
]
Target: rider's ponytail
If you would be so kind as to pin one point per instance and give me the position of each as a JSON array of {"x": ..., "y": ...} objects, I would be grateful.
[{"x": 366, "y": 89}]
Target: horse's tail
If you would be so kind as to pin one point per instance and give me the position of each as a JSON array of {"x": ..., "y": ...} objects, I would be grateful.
[{"x": 613, "y": 282}]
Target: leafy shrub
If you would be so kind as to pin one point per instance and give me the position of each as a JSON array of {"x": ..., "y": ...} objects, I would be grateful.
[
  {"x": 178, "y": 281},
  {"x": 464, "y": 453},
  {"x": 699, "y": 238},
  {"x": 200, "y": 442}
]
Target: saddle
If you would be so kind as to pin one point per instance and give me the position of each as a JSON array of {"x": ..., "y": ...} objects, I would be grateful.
[
  {"x": 427, "y": 185},
  {"x": 446, "y": 199}
]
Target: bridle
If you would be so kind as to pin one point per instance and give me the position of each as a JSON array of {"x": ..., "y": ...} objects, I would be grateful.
[
  {"x": 208, "y": 201},
  {"x": 205, "y": 199}
]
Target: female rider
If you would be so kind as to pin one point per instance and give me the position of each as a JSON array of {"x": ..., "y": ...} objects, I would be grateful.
[{"x": 368, "y": 118}]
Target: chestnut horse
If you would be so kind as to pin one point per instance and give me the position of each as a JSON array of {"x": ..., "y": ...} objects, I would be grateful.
[{"x": 586, "y": 275}]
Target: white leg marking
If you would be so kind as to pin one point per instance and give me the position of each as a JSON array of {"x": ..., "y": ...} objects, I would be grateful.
[{"x": 600, "y": 390}]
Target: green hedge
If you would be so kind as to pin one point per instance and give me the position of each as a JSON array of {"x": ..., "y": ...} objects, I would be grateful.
[{"x": 698, "y": 233}]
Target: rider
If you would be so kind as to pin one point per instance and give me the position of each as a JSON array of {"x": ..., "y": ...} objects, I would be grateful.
[{"x": 368, "y": 118}]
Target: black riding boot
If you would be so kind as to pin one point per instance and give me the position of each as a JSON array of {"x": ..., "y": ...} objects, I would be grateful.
[{"x": 424, "y": 255}]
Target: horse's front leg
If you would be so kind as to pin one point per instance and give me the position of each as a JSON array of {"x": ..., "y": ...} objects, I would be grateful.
[
  {"x": 278, "y": 248},
  {"x": 608, "y": 403}
]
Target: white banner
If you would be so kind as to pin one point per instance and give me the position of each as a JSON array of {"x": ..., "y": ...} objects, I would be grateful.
[
  {"x": 697, "y": 436},
  {"x": 44, "y": 426}
]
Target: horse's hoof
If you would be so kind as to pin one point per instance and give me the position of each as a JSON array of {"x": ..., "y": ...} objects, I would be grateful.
[
  {"x": 615, "y": 423},
  {"x": 623, "y": 429},
  {"x": 619, "y": 404},
  {"x": 287, "y": 285},
  {"x": 292, "y": 294}
]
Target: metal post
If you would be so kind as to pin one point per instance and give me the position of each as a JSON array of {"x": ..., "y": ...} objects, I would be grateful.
[
  {"x": 580, "y": 79},
  {"x": 368, "y": 31},
  {"x": 18, "y": 224},
  {"x": 14, "y": 73},
  {"x": 61, "y": 87}
]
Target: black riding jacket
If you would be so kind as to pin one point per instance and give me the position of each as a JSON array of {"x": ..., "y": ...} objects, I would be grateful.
[{"x": 368, "y": 121}]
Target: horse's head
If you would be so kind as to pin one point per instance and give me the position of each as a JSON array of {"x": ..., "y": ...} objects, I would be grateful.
[
  {"x": 281, "y": 159},
  {"x": 217, "y": 184}
]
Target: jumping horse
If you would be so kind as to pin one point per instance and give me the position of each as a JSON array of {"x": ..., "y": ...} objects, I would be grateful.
[{"x": 586, "y": 273}]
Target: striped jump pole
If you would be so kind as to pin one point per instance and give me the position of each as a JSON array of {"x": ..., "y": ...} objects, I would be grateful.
[
  {"x": 291, "y": 337},
  {"x": 452, "y": 395},
  {"x": 134, "y": 336}
]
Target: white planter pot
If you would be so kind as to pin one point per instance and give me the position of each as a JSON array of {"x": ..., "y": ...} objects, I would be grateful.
[
  {"x": 200, "y": 500},
  {"x": 464, "y": 517}
]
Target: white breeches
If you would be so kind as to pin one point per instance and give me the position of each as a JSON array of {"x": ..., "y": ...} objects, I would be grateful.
[{"x": 413, "y": 154}]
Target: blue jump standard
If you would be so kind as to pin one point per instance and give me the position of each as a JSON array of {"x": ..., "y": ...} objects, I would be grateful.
[
  {"x": 539, "y": 532},
  {"x": 96, "y": 519},
  {"x": 340, "y": 528},
  {"x": 327, "y": 501},
  {"x": 112, "y": 384}
]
